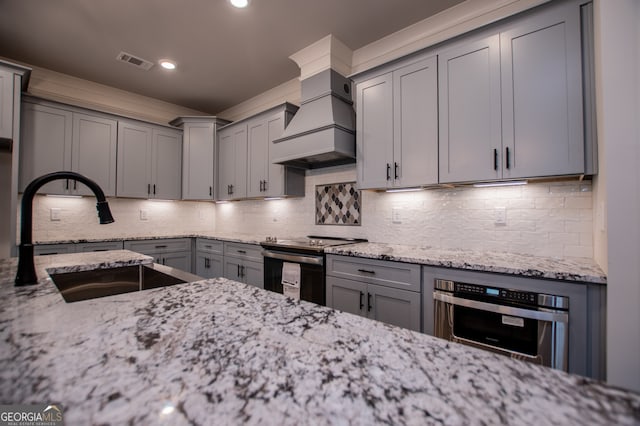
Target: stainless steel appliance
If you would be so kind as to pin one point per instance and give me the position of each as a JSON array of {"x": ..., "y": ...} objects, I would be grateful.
[
  {"x": 523, "y": 325},
  {"x": 306, "y": 252}
]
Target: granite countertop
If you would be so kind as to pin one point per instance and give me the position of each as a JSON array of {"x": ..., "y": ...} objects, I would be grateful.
[
  {"x": 218, "y": 351},
  {"x": 576, "y": 269},
  {"x": 231, "y": 237}
]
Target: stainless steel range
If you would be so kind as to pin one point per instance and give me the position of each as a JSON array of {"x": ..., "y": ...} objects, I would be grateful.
[{"x": 303, "y": 261}]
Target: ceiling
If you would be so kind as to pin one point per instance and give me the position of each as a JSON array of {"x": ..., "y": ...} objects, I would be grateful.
[{"x": 224, "y": 55}]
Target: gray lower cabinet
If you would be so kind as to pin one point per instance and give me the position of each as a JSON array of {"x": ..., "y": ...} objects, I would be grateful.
[
  {"x": 397, "y": 126},
  {"x": 174, "y": 252},
  {"x": 48, "y": 249},
  {"x": 497, "y": 86},
  {"x": 244, "y": 263},
  {"x": 209, "y": 258},
  {"x": 59, "y": 137},
  {"x": 385, "y": 291},
  {"x": 65, "y": 248},
  {"x": 99, "y": 246},
  {"x": 587, "y": 311}
]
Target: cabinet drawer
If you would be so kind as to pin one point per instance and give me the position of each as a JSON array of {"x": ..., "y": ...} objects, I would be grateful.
[
  {"x": 390, "y": 274},
  {"x": 159, "y": 246},
  {"x": 99, "y": 246},
  {"x": 243, "y": 251},
  {"x": 209, "y": 246},
  {"x": 47, "y": 249}
]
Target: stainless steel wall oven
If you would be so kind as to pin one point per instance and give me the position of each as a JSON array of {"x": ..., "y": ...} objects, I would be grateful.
[{"x": 524, "y": 325}]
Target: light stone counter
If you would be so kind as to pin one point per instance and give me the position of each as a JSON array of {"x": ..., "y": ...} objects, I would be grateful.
[
  {"x": 222, "y": 352},
  {"x": 577, "y": 269}
]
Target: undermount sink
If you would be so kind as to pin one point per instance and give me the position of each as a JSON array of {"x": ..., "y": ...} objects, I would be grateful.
[{"x": 84, "y": 285}]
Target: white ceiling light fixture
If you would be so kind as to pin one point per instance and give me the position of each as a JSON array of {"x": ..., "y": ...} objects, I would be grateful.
[
  {"x": 167, "y": 64},
  {"x": 240, "y": 4}
]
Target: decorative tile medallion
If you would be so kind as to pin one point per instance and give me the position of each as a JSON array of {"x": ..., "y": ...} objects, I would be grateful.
[{"x": 338, "y": 204}]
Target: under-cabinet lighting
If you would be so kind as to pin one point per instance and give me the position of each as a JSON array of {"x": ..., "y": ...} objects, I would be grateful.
[
  {"x": 508, "y": 183},
  {"x": 63, "y": 196},
  {"x": 222, "y": 202},
  {"x": 405, "y": 189},
  {"x": 273, "y": 198}
]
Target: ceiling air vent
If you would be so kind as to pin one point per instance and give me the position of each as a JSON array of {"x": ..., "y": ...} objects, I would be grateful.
[{"x": 134, "y": 60}]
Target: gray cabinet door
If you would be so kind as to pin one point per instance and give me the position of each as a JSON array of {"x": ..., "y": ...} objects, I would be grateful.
[
  {"x": 94, "y": 151},
  {"x": 347, "y": 295},
  {"x": 6, "y": 104},
  {"x": 45, "y": 146},
  {"x": 542, "y": 95},
  {"x": 469, "y": 111},
  {"x": 252, "y": 273},
  {"x": 394, "y": 306},
  {"x": 134, "y": 160},
  {"x": 275, "y": 184},
  {"x": 232, "y": 163},
  {"x": 178, "y": 260},
  {"x": 257, "y": 168},
  {"x": 166, "y": 167},
  {"x": 209, "y": 265},
  {"x": 232, "y": 268},
  {"x": 415, "y": 124},
  {"x": 198, "y": 161},
  {"x": 374, "y": 132}
]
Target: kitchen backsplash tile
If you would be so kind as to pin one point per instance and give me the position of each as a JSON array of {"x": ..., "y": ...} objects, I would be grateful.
[{"x": 545, "y": 219}]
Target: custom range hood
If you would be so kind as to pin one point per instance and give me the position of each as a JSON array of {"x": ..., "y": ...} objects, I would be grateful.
[{"x": 322, "y": 133}]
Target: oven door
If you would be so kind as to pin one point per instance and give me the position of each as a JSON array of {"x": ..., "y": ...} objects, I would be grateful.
[
  {"x": 312, "y": 281},
  {"x": 535, "y": 335}
]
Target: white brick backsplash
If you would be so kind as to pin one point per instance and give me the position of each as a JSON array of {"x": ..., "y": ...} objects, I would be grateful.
[{"x": 546, "y": 219}]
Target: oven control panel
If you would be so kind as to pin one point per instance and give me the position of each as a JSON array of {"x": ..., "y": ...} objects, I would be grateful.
[{"x": 497, "y": 294}]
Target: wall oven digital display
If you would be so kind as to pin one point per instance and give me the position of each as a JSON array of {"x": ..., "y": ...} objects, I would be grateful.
[{"x": 493, "y": 291}]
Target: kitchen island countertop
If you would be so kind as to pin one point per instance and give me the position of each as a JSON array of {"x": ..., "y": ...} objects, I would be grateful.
[{"x": 218, "y": 351}]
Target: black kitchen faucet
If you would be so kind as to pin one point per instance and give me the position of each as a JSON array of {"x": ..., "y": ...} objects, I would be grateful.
[{"x": 26, "y": 271}]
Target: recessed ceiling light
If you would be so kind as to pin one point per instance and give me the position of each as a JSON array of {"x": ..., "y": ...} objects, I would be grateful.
[
  {"x": 167, "y": 64},
  {"x": 239, "y": 3}
]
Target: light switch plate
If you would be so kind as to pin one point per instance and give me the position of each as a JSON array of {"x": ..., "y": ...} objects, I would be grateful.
[
  {"x": 144, "y": 215},
  {"x": 396, "y": 215},
  {"x": 500, "y": 214},
  {"x": 55, "y": 214}
]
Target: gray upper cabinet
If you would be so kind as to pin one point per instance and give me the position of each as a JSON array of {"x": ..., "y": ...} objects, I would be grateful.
[
  {"x": 265, "y": 178},
  {"x": 245, "y": 166},
  {"x": 93, "y": 152},
  {"x": 469, "y": 111},
  {"x": 232, "y": 162},
  {"x": 149, "y": 161},
  {"x": 542, "y": 95},
  {"x": 510, "y": 102},
  {"x": 55, "y": 139},
  {"x": 6, "y": 104},
  {"x": 397, "y": 127},
  {"x": 199, "y": 156}
]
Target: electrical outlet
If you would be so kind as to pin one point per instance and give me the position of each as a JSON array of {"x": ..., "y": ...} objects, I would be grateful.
[
  {"x": 500, "y": 215},
  {"x": 55, "y": 214},
  {"x": 396, "y": 215},
  {"x": 144, "y": 214}
]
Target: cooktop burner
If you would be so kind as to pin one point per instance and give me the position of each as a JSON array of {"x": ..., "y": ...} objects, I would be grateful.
[{"x": 311, "y": 243}]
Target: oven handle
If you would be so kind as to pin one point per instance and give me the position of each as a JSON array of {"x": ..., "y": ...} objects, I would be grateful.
[
  {"x": 539, "y": 315},
  {"x": 294, "y": 258}
]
